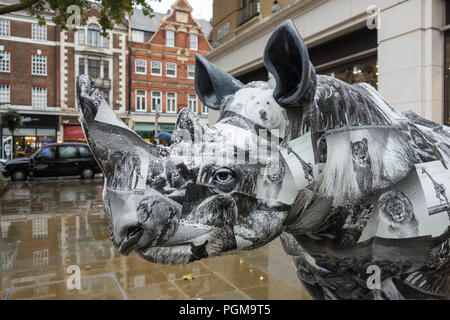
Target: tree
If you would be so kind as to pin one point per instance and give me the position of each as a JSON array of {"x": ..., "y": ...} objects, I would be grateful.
[
  {"x": 112, "y": 10},
  {"x": 12, "y": 120}
]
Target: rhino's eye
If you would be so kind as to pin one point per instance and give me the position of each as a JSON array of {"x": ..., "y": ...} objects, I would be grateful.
[{"x": 224, "y": 180}]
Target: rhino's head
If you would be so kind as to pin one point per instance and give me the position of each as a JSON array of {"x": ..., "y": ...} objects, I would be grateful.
[{"x": 217, "y": 189}]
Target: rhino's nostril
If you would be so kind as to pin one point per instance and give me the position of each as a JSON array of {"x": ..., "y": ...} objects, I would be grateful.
[
  {"x": 134, "y": 232},
  {"x": 132, "y": 240}
]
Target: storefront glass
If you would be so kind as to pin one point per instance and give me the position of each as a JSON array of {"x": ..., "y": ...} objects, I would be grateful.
[
  {"x": 362, "y": 70},
  {"x": 37, "y": 131}
]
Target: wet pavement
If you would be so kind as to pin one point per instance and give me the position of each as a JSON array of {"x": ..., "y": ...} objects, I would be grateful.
[{"x": 48, "y": 225}]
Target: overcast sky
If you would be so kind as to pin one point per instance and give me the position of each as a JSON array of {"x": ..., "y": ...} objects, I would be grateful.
[{"x": 202, "y": 8}]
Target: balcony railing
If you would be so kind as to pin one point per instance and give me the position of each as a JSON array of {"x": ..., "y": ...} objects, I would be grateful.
[{"x": 249, "y": 11}]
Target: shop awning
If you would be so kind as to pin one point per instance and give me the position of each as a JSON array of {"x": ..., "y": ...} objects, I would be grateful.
[{"x": 73, "y": 133}]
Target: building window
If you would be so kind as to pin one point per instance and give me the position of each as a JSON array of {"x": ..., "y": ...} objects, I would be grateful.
[
  {"x": 105, "y": 69},
  {"x": 204, "y": 109},
  {"x": 137, "y": 36},
  {"x": 141, "y": 100},
  {"x": 81, "y": 68},
  {"x": 94, "y": 35},
  {"x": 81, "y": 35},
  {"x": 5, "y": 97},
  {"x": 192, "y": 102},
  {"x": 106, "y": 96},
  {"x": 156, "y": 101},
  {"x": 40, "y": 258},
  {"x": 38, "y": 32},
  {"x": 156, "y": 68},
  {"x": 105, "y": 42},
  {"x": 4, "y": 61},
  {"x": 4, "y": 27},
  {"x": 39, "y": 98},
  {"x": 171, "y": 102},
  {"x": 191, "y": 71},
  {"x": 170, "y": 38},
  {"x": 94, "y": 68},
  {"x": 39, "y": 64},
  {"x": 171, "y": 69},
  {"x": 361, "y": 70},
  {"x": 194, "y": 42},
  {"x": 140, "y": 66}
]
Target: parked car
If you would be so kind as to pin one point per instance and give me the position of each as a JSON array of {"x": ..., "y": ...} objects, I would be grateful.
[
  {"x": 56, "y": 159},
  {"x": 2, "y": 164}
]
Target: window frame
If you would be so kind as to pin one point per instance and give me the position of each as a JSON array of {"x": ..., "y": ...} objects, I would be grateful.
[
  {"x": 7, "y": 24},
  {"x": 141, "y": 35},
  {"x": 172, "y": 45},
  {"x": 204, "y": 108},
  {"x": 196, "y": 41},
  {"x": 99, "y": 68},
  {"x": 160, "y": 68},
  {"x": 5, "y": 93},
  {"x": 40, "y": 98},
  {"x": 152, "y": 109},
  {"x": 136, "y": 95},
  {"x": 191, "y": 65},
  {"x": 38, "y": 30},
  {"x": 193, "y": 100},
  {"x": 136, "y": 65},
  {"x": 175, "y": 69},
  {"x": 4, "y": 62},
  {"x": 81, "y": 31},
  {"x": 167, "y": 102},
  {"x": 93, "y": 28},
  {"x": 35, "y": 67}
]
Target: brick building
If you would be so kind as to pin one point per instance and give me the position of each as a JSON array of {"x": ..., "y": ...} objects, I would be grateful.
[
  {"x": 38, "y": 70},
  {"x": 29, "y": 77},
  {"x": 162, "y": 65},
  {"x": 104, "y": 59}
]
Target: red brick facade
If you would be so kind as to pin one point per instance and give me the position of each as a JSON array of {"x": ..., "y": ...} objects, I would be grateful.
[{"x": 183, "y": 25}]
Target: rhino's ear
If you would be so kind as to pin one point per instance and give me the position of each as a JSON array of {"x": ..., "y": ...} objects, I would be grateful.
[
  {"x": 212, "y": 84},
  {"x": 287, "y": 58}
]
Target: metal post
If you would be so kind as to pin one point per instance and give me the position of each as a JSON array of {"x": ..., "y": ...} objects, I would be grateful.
[{"x": 156, "y": 121}]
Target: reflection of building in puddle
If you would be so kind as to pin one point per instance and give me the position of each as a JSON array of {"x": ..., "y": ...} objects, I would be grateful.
[
  {"x": 39, "y": 227},
  {"x": 4, "y": 226},
  {"x": 40, "y": 258},
  {"x": 139, "y": 281},
  {"x": 6, "y": 260}
]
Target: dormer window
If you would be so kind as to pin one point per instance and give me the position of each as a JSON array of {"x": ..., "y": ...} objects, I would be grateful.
[
  {"x": 194, "y": 42},
  {"x": 170, "y": 38}
]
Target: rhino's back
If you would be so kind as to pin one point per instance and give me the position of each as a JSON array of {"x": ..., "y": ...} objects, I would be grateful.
[{"x": 338, "y": 104}]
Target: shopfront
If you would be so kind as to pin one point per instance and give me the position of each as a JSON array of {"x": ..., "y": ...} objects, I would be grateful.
[
  {"x": 36, "y": 131},
  {"x": 147, "y": 130},
  {"x": 72, "y": 131},
  {"x": 351, "y": 58}
]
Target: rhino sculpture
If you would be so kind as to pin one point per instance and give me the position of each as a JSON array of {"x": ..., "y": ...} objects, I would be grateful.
[{"x": 358, "y": 192}]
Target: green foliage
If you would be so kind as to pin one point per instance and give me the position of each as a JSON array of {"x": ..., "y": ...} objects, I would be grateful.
[
  {"x": 112, "y": 11},
  {"x": 12, "y": 120}
]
